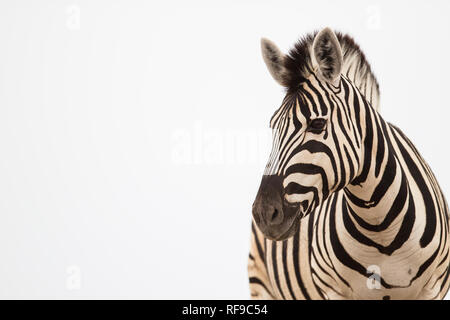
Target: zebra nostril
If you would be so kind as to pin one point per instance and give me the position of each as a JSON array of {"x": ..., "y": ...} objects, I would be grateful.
[
  {"x": 275, "y": 214},
  {"x": 276, "y": 217}
]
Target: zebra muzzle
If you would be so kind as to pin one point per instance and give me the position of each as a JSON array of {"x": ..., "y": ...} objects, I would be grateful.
[{"x": 276, "y": 218}]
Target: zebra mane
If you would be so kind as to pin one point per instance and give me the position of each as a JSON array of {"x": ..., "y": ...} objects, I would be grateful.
[{"x": 298, "y": 64}]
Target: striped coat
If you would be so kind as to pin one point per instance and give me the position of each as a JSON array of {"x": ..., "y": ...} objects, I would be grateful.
[{"x": 347, "y": 207}]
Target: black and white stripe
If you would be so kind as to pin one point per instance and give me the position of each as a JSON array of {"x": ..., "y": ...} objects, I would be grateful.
[{"x": 364, "y": 198}]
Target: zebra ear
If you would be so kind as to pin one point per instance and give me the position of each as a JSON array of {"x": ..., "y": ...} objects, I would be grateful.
[
  {"x": 328, "y": 55},
  {"x": 274, "y": 60}
]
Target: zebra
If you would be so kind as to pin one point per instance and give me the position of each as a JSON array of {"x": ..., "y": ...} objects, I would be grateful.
[{"x": 347, "y": 208}]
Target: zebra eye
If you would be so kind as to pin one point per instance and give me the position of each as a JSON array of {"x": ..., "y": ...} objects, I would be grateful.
[{"x": 317, "y": 124}]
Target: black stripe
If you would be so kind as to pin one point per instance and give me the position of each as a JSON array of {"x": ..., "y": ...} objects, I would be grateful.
[
  {"x": 254, "y": 280},
  {"x": 430, "y": 227},
  {"x": 258, "y": 244},
  {"x": 286, "y": 271},
  {"x": 295, "y": 257},
  {"x": 275, "y": 268}
]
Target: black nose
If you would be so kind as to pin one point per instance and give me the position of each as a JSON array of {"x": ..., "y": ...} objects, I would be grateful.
[{"x": 271, "y": 214}]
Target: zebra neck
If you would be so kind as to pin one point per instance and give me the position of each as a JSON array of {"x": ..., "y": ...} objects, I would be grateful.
[
  {"x": 380, "y": 193},
  {"x": 361, "y": 76},
  {"x": 386, "y": 220}
]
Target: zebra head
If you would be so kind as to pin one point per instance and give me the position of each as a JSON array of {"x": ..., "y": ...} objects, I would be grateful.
[{"x": 313, "y": 131}]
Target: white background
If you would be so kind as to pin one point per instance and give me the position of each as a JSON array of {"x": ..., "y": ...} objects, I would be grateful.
[{"x": 133, "y": 134}]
